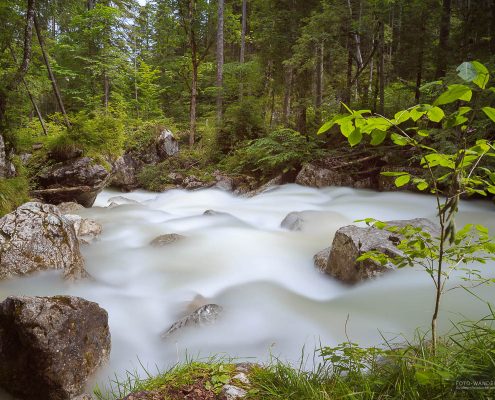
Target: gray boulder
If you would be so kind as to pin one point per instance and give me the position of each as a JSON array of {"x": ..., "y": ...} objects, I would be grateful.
[
  {"x": 351, "y": 241},
  {"x": 166, "y": 144},
  {"x": 87, "y": 230},
  {"x": 320, "y": 259},
  {"x": 321, "y": 175},
  {"x": 205, "y": 315},
  {"x": 69, "y": 207},
  {"x": 166, "y": 239},
  {"x": 78, "y": 181},
  {"x": 231, "y": 392},
  {"x": 36, "y": 237},
  {"x": 125, "y": 171},
  {"x": 50, "y": 346}
]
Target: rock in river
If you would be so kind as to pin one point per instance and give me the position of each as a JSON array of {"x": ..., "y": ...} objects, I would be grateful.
[
  {"x": 351, "y": 241},
  {"x": 36, "y": 237},
  {"x": 168, "y": 238},
  {"x": 205, "y": 315},
  {"x": 50, "y": 346}
]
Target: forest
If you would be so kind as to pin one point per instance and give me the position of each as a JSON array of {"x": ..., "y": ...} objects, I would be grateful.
[{"x": 183, "y": 163}]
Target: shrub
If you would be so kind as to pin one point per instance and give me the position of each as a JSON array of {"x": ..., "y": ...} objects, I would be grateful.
[
  {"x": 188, "y": 162},
  {"x": 281, "y": 151},
  {"x": 242, "y": 121}
]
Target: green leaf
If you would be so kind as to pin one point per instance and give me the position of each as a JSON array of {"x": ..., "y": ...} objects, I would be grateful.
[
  {"x": 490, "y": 112},
  {"x": 453, "y": 93},
  {"x": 355, "y": 137},
  {"x": 402, "y": 180},
  {"x": 346, "y": 127},
  {"x": 435, "y": 114},
  {"x": 474, "y": 71},
  {"x": 422, "y": 186},
  {"x": 399, "y": 139},
  {"x": 401, "y": 116},
  {"x": 416, "y": 114},
  {"x": 377, "y": 137}
]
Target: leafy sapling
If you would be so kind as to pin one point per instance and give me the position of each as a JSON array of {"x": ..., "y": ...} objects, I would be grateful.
[{"x": 447, "y": 175}]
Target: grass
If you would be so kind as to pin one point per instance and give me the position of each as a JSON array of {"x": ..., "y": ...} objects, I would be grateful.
[
  {"x": 464, "y": 359},
  {"x": 13, "y": 193}
]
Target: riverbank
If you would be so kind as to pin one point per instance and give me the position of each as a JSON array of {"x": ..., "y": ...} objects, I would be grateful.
[{"x": 462, "y": 368}]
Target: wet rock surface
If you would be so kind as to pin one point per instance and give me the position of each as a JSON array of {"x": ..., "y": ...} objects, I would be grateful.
[
  {"x": 50, "y": 346},
  {"x": 87, "y": 230},
  {"x": 320, "y": 259},
  {"x": 166, "y": 239},
  {"x": 36, "y": 237},
  {"x": 352, "y": 241},
  {"x": 205, "y": 315}
]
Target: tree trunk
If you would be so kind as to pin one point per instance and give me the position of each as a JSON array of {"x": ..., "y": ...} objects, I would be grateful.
[
  {"x": 195, "y": 64},
  {"x": 26, "y": 59},
  {"x": 288, "y": 94},
  {"x": 381, "y": 68},
  {"x": 194, "y": 95},
  {"x": 31, "y": 98},
  {"x": 319, "y": 81},
  {"x": 243, "y": 43},
  {"x": 348, "y": 86},
  {"x": 106, "y": 90},
  {"x": 421, "y": 51},
  {"x": 492, "y": 29},
  {"x": 357, "y": 39},
  {"x": 220, "y": 60},
  {"x": 90, "y": 4},
  {"x": 443, "y": 39},
  {"x": 50, "y": 73}
]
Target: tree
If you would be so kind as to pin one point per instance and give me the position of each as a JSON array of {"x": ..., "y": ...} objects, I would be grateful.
[
  {"x": 448, "y": 176},
  {"x": 220, "y": 61}
]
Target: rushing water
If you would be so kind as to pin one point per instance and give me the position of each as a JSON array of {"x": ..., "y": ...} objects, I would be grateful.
[{"x": 275, "y": 301}]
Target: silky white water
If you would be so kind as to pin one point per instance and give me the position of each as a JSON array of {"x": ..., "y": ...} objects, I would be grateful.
[{"x": 275, "y": 301}]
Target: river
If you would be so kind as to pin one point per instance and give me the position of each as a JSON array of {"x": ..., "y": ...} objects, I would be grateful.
[{"x": 275, "y": 302}]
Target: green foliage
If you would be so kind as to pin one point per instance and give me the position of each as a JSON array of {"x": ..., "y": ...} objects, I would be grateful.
[
  {"x": 190, "y": 162},
  {"x": 242, "y": 121},
  {"x": 281, "y": 151},
  {"x": 448, "y": 176},
  {"x": 13, "y": 193}
]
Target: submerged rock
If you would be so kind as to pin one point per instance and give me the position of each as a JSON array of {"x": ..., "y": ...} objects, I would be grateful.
[
  {"x": 205, "y": 315},
  {"x": 352, "y": 241},
  {"x": 36, "y": 237},
  {"x": 166, "y": 239},
  {"x": 78, "y": 181},
  {"x": 50, "y": 346},
  {"x": 293, "y": 221}
]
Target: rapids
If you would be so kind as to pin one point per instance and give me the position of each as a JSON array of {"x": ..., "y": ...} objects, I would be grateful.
[{"x": 275, "y": 302}]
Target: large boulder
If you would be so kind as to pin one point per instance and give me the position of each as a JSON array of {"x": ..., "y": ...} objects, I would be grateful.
[
  {"x": 166, "y": 144},
  {"x": 78, "y": 180},
  {"x": 320, "y": 174},
  {"x": 205, "y": 315},
  {"x": 50, "y": 346},
  {"x": 127, "y": 168},
  {"x": 125, "y": 171},
  {"x": 36, "y": 237},
  {"x": 352, "y": 241}
]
